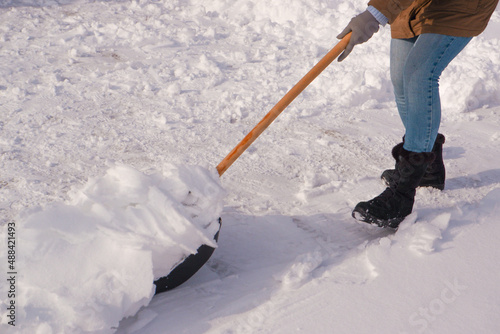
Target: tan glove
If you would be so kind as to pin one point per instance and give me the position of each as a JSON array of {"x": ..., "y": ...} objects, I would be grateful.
[{"x": 363, "y": 26}]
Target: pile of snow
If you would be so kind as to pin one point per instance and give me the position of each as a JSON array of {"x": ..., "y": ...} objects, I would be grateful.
[{"x": 90, "y": 262}]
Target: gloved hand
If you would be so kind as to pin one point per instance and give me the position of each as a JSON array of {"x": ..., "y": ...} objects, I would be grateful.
[{"x": 363, "y": 26}]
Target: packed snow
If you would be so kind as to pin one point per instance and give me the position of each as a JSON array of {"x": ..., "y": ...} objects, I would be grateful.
[
  {"x": 98, "y": 254},
  {"x": 114, "y": 114}
]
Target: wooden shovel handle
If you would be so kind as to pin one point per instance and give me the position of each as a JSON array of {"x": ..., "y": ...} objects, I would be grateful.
[{"x": 282, "y": 104}]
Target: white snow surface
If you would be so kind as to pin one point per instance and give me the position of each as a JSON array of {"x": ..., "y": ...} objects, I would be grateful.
[{"x": 114, "y": 114}]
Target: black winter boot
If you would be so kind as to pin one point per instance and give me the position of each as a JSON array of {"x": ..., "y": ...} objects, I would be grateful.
[
  {"x": 391, "y": 207},
  {"x": 435, "y": 174}
]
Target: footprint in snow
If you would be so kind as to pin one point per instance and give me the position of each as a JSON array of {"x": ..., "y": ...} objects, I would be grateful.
[{"x": 301, "y": 270}]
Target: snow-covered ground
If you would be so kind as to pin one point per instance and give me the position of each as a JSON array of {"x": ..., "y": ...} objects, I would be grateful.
[{"x": 112, "y": 109}]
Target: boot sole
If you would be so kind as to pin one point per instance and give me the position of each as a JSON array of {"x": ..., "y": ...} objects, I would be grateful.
[{"x": 362, "y": 215}]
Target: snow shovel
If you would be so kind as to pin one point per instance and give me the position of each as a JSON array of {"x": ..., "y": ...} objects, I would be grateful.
[{"x": 194, "y": 262}]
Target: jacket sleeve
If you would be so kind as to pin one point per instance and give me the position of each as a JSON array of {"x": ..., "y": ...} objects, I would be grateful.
[{"x": 390, "y": 8}]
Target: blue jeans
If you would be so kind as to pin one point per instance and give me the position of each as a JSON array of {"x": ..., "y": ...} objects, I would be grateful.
[{"x": 416, "y": 65}]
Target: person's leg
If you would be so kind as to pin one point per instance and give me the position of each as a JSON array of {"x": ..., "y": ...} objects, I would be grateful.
[
  {"x": 420, "y": 111},
  {"x": 429, "y": 56},
  {"x": 400, "y": 48}
]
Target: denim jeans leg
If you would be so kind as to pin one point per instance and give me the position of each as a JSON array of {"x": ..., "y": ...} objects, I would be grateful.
[
  {"x": 400, "y": 48},
  {"x": 418, "y": 74}
]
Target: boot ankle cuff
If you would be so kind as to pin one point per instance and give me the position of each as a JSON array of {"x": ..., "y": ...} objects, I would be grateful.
[
  {"x": 440, "y": 139},
  {"x": 417, "y": 158},
  {"x": 396, "y": 151}
]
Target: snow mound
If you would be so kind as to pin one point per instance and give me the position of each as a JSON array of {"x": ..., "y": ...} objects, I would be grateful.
[{"x": 91, "y": 262}]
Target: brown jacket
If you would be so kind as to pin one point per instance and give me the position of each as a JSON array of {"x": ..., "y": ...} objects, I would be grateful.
[{"x": 461, "y": 18}]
